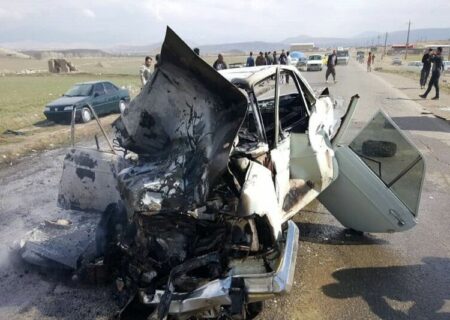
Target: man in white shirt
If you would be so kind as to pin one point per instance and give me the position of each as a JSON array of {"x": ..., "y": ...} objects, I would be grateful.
[{"x": 145, "y": 71}]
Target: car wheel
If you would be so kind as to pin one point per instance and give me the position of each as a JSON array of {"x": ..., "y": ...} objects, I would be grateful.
[
  {"x": 86, "y": 115},
  {"x": 376, "y": 148},
  {"x": 122, "y": 106}
]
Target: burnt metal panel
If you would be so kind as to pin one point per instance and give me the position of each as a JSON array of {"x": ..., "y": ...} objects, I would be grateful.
[{"x": 186, "y": 118}]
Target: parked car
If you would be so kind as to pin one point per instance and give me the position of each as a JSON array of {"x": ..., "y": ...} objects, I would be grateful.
[
  {"x": 197, "y": 224},
  {"x": 414, "y": 66},
  {"x": 296, "y": 56},
  {"x": 342, "y": 56},
  {"x": 103, "y": 96},
  {"x": 314, "y": 63},
  {"x": 446, "y": 66},
  {"x": 360, "y": 56},
  {"x": 397, "y": 61}
]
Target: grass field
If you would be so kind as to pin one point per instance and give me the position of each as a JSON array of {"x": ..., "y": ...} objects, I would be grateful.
[{"x": 23, "y": 97}]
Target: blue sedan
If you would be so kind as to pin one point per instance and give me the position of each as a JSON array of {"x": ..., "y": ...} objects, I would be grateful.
[{"x": 103, "y": 96}]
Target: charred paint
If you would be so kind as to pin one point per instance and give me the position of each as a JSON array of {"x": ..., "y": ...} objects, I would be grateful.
[{"x": 85, "y": 173}]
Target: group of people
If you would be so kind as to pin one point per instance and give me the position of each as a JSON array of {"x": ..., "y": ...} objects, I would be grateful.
[
  {"x": 432, "y": 61},
  {"x": 263, "y": 59}
]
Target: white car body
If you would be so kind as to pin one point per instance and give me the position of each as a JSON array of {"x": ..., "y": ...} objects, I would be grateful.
[
  {"x": 314, "y": 63},
  {"x": 245, "y": 148},
  {"x": 415, "y": 66}
]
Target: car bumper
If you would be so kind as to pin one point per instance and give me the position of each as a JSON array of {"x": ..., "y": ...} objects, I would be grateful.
[
  {"x": 314, "y": 67},
  {"x": 258, "y": 287},
  {"x": 60, "y": 116}
]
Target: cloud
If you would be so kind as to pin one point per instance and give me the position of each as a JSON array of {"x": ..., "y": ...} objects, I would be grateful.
[
  {"x": 208, "y": 21},
  {"x": 89, "y": 13}
]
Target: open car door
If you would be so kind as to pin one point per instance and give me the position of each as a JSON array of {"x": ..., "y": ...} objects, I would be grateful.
[{"x": 380, "y": 179}]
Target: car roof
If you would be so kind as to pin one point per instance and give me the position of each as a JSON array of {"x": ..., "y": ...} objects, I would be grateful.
[
  {"x": 93, "y": 82},
  {"x": 248, "y": 76}
]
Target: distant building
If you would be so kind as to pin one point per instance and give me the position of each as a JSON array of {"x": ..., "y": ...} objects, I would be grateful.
[{"x": 309, "y": 46}]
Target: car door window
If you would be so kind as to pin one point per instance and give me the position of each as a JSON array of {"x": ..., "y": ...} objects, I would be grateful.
[
  {"x": 98, "y": 89},
  {"x": 293, "y": 112},
  {"x": 397, "y": 162},
  {"x": 110, "y": 88}
]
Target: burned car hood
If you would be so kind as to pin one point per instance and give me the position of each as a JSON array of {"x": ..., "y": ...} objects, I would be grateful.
[{"x": 182, "y": 125}]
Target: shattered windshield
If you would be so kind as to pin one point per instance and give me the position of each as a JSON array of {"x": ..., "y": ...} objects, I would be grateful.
[{"x": 79, "y": 90}]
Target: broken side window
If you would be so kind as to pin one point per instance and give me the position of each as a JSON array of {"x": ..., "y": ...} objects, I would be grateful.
[
  {"x": 265, "y": 97},
  {"x": 293, "y": 114}
]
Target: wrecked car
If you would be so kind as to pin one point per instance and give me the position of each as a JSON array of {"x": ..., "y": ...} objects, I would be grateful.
[{"x": 189, "y": 212}]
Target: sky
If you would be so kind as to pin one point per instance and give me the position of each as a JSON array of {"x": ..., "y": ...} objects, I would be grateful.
[{"x": 107, "y": 23}]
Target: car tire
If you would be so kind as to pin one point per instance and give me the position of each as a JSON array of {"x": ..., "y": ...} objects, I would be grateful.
[
  {"x": 86, "y": 115},
  {"x": 122, "y": 106},
  {"x": 254, "y": 309},
  {"x": 378, "y": 148}
]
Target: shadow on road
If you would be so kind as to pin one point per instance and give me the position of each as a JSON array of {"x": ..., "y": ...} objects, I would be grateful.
[
  {"x": 328, "y": 234},
  {"x": 422, "y": 124},
  {"x": 404, "y": 99},
  {"x": 399, "y": 292}
]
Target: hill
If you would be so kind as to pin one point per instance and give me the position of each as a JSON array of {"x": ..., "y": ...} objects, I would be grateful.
[{"x": 69, "y": 53}]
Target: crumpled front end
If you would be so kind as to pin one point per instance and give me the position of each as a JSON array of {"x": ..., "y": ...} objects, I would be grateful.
[{"x": 192, "y": 224}]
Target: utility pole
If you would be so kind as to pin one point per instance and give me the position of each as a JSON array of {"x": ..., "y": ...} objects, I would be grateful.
[
  {"x": 407, "y": 40},
  {"x": 385, "y": 42}
]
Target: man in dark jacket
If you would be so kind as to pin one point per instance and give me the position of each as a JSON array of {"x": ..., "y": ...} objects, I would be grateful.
[
  {"x": 250, "y": 60},
  {"x": 438, "y": 66},
  {"x": 260, "y": 60},
  {"x": 426, "y": 60},
  {"x": 219, "y": 64},
  {"x": 332, "y": 59},
  {"x": 274, "y": 58},
  {"x": 283, "y": 57}
]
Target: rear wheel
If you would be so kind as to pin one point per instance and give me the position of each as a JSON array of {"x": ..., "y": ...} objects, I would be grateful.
[{"x": 86, "y": 115}]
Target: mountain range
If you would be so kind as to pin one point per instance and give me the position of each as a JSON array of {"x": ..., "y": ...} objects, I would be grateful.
[
  {"x": 368, "y": 38},
  {"x": 363, "y": 39}
]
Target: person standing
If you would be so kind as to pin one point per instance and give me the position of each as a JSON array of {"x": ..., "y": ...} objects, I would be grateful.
[
  {"x": 269, "y": 59},
  {"x": 220, "y": 64},
  {"x": 283, "y": 58},
  {"x": 289, "y": 59},
  {"x": 274, "y": 58},
  {"x": 369, "y": 62},
  {"x": 260, "y": 60},
  {"x": 438, "y": 66},
  {"x": 158, "y": 61},
  {"x": 424, "y": 73},
  {"x": 250, "y": 60},
  {"x": 331, "y": 64},
  {"x": 373, "y": 59},
  {"x": 145, "y": 71}
]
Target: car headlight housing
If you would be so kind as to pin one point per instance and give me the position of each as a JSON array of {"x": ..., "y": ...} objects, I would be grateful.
[{"x": 68, "y": 108}]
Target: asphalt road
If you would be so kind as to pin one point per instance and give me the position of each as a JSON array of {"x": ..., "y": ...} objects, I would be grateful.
[
  {"x": 377, "y": 276},
  {"x": 339, "y": 275}
]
